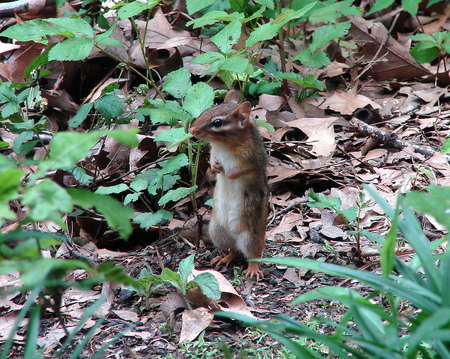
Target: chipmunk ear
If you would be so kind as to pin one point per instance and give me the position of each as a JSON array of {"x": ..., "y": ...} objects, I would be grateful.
[
  {"x": 231, "y": 96},
  {"x": 242, "y": 113}
]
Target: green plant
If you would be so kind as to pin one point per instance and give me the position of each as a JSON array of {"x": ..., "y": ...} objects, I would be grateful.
[
  {"x": 407, "y": 315},
  {"x": 429, "y": 47},
  {"x": 179, "y": 280},
  {"x": 350, "y": 215}
]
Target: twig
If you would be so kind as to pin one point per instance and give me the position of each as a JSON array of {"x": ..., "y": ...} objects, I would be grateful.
[
  {"x": 391, "y": 140},
  {"x": 8, "y": 9}
]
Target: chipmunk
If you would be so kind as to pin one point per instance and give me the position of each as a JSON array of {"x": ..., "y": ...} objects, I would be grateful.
[{"x": 238, "y": 157}]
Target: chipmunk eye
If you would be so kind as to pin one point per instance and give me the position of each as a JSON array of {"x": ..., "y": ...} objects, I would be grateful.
[{"x": 217, "y": 123}]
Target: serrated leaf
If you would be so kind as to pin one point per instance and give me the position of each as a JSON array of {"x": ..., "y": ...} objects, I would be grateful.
[
  {"x": 326, "y": 33},
  {"x": 174, "y": 164},
  {"x": 173, "y": 135},
  {"x": 185, "y": 268},
  {"x": 380, "y": 5},
  {"x": 47, "y": 200},
  {"x": 81, "y": 176},
  {"x": 270, "y": 30},
  {"x": 81, "y": 114},
  {"x": 235, "y": 64},
  {"x": 148, "y": 220},
  {"x": 176, "y": 194},
  {"x": 29, "y": 30},
  {"x": 208, "y": 285},
  {"x": 228, "y": 36},
  {"x": 197, "y": 5},
  {"x": 199, "y": 98},
  {"x": 134, "y": 8},
  {"x": 211, "y": 17},
  {"x": 22, "y": 144},
  {"x": 78, "y": 27},
  {"x": 110, "y": 106},
  {"x": 74, "y": 49},
  {"x": 178, "y": 82},
  {"x": 172, "y": 278},
  {"x": 112, "y": 189},
  {"x": 116, "y": 214}
]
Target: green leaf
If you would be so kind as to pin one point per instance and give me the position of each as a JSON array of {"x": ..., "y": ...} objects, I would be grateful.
[
  {"x": 172, "y": 278},
  {"x": 328, "y": 12},
  {"x": 228, "y": 36},
  {"x": 208, "y": 58},
  {"x": 211, "y": 17},
  {"x": 208, "y": 285},
  {"x": 112, "y": 189},
  {"x": 322, "y": 201},
  {"x": 81, "y": 176},
  {"x": 22, "y": 145},
  {"x": 380, "y": 5},
  {"x": 267, "y": 3},
  {"x": 176, "y": 194},
  {"x": 446, "y": 146},
  {"x": 387, "y": 255},
  {"x": 47, "y": 200},
  {"x": 185, "y": 268},
  {"x": 350, "y": 214},
  {"x": 178, "y": 82},
  {"x": 30, "y": 30},
  {"x": 411, "y": 6},
  {"x": 197, "y": 5},
  {"x": 173, "y": 135},
  {"x": 174, "y": 164},
  {"x": 9, "y": 190},
  {"x": 117, "y": 216},
  {"x": 199, "y": 98},
  {"x": 134, "y": 8},
  {"x": 127, "y": 137},
  {"x": 147, "y": 220},
  {"x": 37, "y": 62},
  {"x": 110, "y": 106},
  {"x": 270, "y": 30},
  {"x": 78, "y": 26},
  {"x": 74, "y": 49},
  {"x": 326, "y": 33},
  {"x": 81, "y": 114},
  {"x": 235, "y": 64},
  {"x": 435, "y": 203}
]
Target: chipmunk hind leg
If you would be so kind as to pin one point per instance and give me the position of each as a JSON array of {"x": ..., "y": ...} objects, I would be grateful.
[
  {"x": 252, "y": 246},
  {"x": 222, "y": 240}
]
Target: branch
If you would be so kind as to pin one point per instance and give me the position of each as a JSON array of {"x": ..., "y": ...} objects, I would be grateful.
[{"x": 8, "y": 9}]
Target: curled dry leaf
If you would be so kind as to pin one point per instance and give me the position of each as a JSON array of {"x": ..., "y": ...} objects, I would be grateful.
[{"x": 230, "y": 300}]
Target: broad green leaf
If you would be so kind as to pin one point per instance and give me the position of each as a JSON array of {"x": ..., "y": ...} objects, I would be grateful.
[
  {"x": 411, "y": 6},
  {"x": 81, "y": 114},
  {"x": 162, "y": 182},
  {"x": 148, "y": 220},
  {"x": 199, "y": 98},
  {"x": 436, "y": 203},
  {"x": 185, "y": 268},
  {"x": 208, "y": 285},
  {"x": 22, "y": 145},
  {"x": 197, "y": 5},
  {"x": 67, "y": 148},
  {"x": 326, "y": 33},
  {"x": 173, "y": 135},
  {"x": 267, "y": 3},
  {"x": 79, "y": 27},
  {"x": 330, "y": 293},
  {"x": 424, "y": 53},
  {"x": 211, "y": 17},
  {"x": 47, "y": 200},
  {"x": 112, "y": 189},
  {"x": 30, "y": 30},
  {"x": 134, "y": 8},
  {"x": 37, "y": 62},
  {"x": 270, "y": 30},
  {"x": 174, "y": 164},
  {"x": 117, "y": 216},
  {"x": 74, "y": 49},
  {"x": 326, "y": 12},
  {"x": 110, "y": 106},
  {"x": 172, "y": 278},
  {"x": 445, "y": 148},
  {"x": 235, "y": 64},
  {"x": 380, "y": 5},
  {"x": 208, "y": 58},
  {"x": 350, "y": 213},
  {"x": 228, "y": 36},
  {"x": 139, "y": 184},
  {"x": 131, "y": 197},
  {"x": 10, "y": 184},
  {"x": 81, "y": 176},
  {"x": 176, "y": 194},
  {"x": 322, "y": 201},
  {"x": 319, "y": 59},
  {"x": 178, "y": 82}
]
